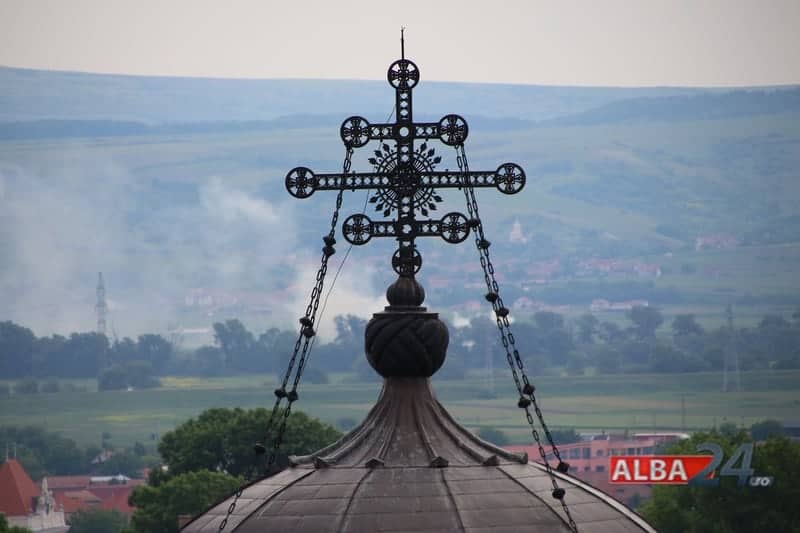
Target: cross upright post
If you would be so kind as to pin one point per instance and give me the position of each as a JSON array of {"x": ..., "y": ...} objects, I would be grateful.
[{"x": 404, "y": 177}]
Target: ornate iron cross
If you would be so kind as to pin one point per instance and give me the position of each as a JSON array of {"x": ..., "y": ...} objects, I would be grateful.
[{"x": 404, "y": 177}]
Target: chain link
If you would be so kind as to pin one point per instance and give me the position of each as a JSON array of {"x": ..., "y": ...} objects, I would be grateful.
[
  {"x": 524, "y": 386},
  {"x": 301, "y": 348}
]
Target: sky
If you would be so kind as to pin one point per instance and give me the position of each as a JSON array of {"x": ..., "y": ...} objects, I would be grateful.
[{"x": 569, "y": 42}]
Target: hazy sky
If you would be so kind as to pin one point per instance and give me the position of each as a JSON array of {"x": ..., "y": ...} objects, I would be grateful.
[{"x": 593, "y": 42}]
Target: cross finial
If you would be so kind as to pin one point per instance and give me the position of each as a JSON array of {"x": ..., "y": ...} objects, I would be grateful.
[
  {"x": 402, "y": 43},
  {"x": 405, "y": 178}
]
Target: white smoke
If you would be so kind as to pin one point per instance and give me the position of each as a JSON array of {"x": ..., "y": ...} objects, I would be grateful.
[
  {"x": 354, "y": 292},
  {"x": 68, "y": 211},
  {"x": 234, "y": 206}
]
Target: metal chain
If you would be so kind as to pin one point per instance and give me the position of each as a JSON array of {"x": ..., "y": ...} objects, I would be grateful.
[
  {"x": 525, "y": 388},
  {"x": 301, "y": 348}
]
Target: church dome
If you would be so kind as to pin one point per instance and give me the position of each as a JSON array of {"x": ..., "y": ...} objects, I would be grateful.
[{"x": 409, "y": 466}]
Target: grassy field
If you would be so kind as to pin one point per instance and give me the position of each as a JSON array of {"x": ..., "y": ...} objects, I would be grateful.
[{"x": 587, "y": 403}]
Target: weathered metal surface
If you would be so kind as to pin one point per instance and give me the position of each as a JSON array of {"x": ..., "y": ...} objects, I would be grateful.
[{"x": 410, "y": 467}]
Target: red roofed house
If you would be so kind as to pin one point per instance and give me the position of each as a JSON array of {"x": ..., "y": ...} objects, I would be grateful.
[
  {"x": 25, "y": 504},
  {"x": 88, "y": 492}
]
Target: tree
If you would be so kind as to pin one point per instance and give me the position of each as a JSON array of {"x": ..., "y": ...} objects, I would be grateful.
[
  {"x": 729, "y": 508},
  {"x": 493, "y": 435},
  {"x": 16, "y": 350},
  {"x": 558, "y": 345},
  {"x": 452, "y": 369},
  {"x": 587, "y": 327},
  {"x": 350, "y": 331},
  {"x": 139, "y": 449},
  {"x": 683, "y": 325},
  {"x": 547, "y": 320},
  {"x": 315, "y": 375},
  {"x": 26, "y": 386},
  {"x": 136, "y": 374},
  {"x": 122, "y": 462},
  {"x": 346, "y": 423},
  {"x": 565, "y": 436},
  {"x": 364, "y": 371},
  {"x": 636, "y": 352},
  {"x": 46, "y": 353},
  {"x": 209, "y": 361},
  {"x": 222, "y": 440},
  {"x": 778, "y": 341},
  {"x": 140, "y": 375},
  {"x": 82, "y": 355},
  {"x": 51, "y": 387},
  {"x": 277, "y": 346},
  {"x": 236, "y": 342},
  {"x": 576, "y": 363},
  {"x": 154, "y": 349},
  {"x": 666, "y": 358},
  {"x": 158, "y": 507},
  {"x": 44, "y": 453},
  {"x": 646, "y": 321},
  {"x": 5, "y": 528},
  {"x": 97, "y": 521},
  {"x": 113, "y": 378},
  {"x": 611, "y": 333},
  {"x": 606, "y": 359},
  {"x": 124, "y": 351},
  {"x": 765, "y": 429}
]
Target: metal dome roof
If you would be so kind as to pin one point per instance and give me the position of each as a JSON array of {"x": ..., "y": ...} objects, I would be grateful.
[{"x": 410, "y": 467}]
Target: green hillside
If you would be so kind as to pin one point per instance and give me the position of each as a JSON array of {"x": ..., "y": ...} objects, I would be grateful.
[{"x": 164, "y": 207}]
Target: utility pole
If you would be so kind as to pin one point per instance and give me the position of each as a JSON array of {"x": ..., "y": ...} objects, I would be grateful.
[
  {"x": 101, "y": 308},
  {"x": 683, "y": 412},
  {"x": 731, "y": 358}
]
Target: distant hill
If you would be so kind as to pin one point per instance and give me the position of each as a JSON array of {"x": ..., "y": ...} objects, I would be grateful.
[
  {"x": 169, "y": 184},
  {"x": 701, "y": 106},
  {"x": 36, "y": 95}
]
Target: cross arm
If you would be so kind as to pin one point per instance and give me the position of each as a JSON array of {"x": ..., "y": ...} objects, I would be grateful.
[
  {"x": 452, "y": 227},
  {"x": 356, "y": 131},
  {"x": 301, "y": 182}
]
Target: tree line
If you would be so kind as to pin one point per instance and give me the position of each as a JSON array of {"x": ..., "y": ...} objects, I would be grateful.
[
  {"x": 548, "y": 341},
  {"x": 638, "y": 344},
  {"x": 118, "y": 365},
  {"x": 47, "y": 453}
]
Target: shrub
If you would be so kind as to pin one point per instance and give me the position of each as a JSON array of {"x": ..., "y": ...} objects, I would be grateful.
[
  {"x": 315, "y": 375},
  {"x": 26, "y": 386},
  {"x": 493, "y": 435},
  {"x": 50, "y": 387},
  {"x": 346, "y": 423}
]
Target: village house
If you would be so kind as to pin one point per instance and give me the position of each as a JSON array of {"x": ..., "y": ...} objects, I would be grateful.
[
  {"x": 719, "y": 241},
  {"x": 589, "y": 459},
  {"x": 76, "y": 493},
  {"x": 26, "y": 504},
  {"x": 600, "y": 305},
  {"x": 48, "y": 506}
]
